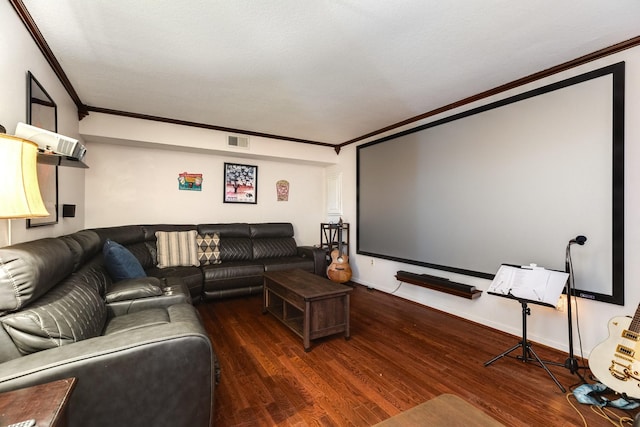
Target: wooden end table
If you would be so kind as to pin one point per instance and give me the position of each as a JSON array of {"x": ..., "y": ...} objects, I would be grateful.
[
  {"x": 46, "y": 403},
  {"x": 310, "y": 305}
]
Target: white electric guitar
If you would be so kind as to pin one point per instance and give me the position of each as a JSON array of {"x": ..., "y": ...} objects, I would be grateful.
[{"x": 616, "y": 361}]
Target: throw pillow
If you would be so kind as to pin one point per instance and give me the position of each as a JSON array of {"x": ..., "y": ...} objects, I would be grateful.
[
  {"x": 120, "y": 262},
  {"x": 177, "y": 248},
  {"x": 209, "y": 248}
]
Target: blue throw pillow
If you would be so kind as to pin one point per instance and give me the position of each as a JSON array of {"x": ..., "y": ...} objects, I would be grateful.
[{"x": 120, "y": 262}]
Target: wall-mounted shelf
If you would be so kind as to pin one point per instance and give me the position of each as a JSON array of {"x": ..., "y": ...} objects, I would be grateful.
[
  {"x": 60, "y": 160},
  {"x": 439, "y": 284}
]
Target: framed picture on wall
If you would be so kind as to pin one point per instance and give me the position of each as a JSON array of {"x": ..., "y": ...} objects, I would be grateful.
[
  {"x": 240, "y": 183},
  {"x": 43, "y": 113}
]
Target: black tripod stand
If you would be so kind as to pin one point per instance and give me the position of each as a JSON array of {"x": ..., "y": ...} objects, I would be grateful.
[{"x": 528, "y": 355}]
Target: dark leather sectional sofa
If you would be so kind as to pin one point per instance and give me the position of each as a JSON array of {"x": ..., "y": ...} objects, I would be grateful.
[{"x": 136, "y": 346}]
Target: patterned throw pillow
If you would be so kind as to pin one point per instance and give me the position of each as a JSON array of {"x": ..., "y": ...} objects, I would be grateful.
[
  {"x": 177, "y": 248},
  {"x": 209, "y": 249}
]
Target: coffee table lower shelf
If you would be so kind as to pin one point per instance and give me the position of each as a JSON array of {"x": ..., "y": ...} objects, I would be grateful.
[
  {"x": 295, "y": 323},
  {"x": 308, "y": 313}
]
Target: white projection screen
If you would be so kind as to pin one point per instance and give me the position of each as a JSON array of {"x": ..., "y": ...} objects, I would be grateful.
[{"x": 509, "y": 182}]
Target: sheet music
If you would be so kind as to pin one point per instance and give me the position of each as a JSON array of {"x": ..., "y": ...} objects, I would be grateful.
[{"x": 531, "y": 283}]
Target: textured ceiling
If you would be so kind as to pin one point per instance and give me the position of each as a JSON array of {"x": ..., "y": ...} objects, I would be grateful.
[{"x": 321, "y": 70}]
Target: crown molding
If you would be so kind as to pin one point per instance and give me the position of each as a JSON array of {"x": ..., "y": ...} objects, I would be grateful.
[
  {"x": 602, "y": 53},
  {"x": 83, "y": 110},
  {"x": 203, "y": 125},
  {"x": 42, "y": 44}
]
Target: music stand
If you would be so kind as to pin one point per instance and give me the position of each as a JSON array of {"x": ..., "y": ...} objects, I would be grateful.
[{"x": 515, "y": 282}]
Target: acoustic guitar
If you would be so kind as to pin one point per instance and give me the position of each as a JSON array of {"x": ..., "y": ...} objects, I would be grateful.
[
  {"x": 614, "y": 361},
  {"x": 339, "y": 270}
]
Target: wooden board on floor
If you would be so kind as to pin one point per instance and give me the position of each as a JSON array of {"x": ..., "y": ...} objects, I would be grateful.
[{"x": 446, "y": 410}]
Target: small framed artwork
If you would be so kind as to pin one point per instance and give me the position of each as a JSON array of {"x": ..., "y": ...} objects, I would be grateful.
[
  {"x": 190, "y": 181},
  {"x": 240, "y": 183},
  {"x": 282, "y": 190}
]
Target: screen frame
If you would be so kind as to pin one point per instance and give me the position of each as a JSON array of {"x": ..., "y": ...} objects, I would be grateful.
[{"x": 617, "y": 71}]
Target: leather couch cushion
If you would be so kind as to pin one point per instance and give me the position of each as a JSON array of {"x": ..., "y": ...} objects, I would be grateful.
[
  {"x": 289, "y": 263},
  {"x": 95, "y": 274},
  {"x": 235, "y": 240},
  {"x": 238, "y": 229},
  {"x": 145, "y": 252},
  {"x": 232, "y": 270},
  {"x": 120, "y": 262},
  {"x": 235, "y": 249},
  {"x": 130, "y": 289},
  {"x": 68, "y": 313},
  {"x": 137, "y": 320},
  {"x": 84, "y": 245},
  {"x": 276, "y": 247},
  {"x": 271, "y": 229},
  {"x": 28, "y": 270},
  {"x": 231, "y": 279},
  {"x": 177, "y": 249},
  {"x": 123, "y": 234},
  {"x": 151, "y": 230}
]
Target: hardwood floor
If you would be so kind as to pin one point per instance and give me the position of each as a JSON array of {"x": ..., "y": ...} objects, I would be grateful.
[{"x": 400, "y": 354}]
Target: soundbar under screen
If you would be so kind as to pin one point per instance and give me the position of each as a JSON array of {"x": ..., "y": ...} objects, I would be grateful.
[{"x": 510, "y": 182}]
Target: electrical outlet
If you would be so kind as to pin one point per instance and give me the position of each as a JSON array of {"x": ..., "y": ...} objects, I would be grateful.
[{"x": 372, "y": 261}]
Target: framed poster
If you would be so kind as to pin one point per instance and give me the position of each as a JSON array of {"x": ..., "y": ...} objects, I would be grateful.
[{"x": 240, "y": 183}]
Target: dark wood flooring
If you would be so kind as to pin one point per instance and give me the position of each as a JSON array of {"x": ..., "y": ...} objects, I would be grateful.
[{"x": 400, "y": 354}]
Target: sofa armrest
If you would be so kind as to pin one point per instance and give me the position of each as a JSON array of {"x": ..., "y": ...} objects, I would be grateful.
[
  {"x": 130, "y": 289},
  {"x": 178, "y": 293},
  {"x": 158, "y": 375},
  {"x": 319, "y": 258}
]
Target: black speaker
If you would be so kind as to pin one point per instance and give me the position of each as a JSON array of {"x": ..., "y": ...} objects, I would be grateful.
[{"x": 68, "y": 211}]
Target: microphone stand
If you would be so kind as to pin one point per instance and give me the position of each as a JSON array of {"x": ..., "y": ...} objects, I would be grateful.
[{"x": 572, "y": 362}]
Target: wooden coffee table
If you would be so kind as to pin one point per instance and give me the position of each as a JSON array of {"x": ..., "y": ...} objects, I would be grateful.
[{"x": 310, "y": 305}]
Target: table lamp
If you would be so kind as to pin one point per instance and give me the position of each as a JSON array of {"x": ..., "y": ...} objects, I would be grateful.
[{"x": 19, "y": 193}]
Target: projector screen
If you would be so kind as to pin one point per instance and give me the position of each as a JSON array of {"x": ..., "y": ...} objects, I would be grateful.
[{"x": 509, "y": 182}]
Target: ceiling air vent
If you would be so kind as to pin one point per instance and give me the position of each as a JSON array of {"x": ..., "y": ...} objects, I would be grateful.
[{"x": 238, "y": 141}]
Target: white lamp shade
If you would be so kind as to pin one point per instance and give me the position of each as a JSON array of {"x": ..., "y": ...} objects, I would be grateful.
[{"x": 19, "y": 191}]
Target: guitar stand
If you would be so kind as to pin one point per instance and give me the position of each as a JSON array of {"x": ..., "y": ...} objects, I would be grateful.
[
  {"x": 528, "y": 355},
  {"x": 574, "y": 367}
]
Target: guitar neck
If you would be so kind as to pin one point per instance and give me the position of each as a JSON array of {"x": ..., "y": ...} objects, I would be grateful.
[{"x": 635, "y": 323}]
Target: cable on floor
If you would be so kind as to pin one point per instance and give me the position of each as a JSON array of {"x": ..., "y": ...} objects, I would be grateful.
[{"x": 603, "y": 412}]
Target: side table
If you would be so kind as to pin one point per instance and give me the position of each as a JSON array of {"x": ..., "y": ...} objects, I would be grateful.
[{"x": 46, "y": 403}]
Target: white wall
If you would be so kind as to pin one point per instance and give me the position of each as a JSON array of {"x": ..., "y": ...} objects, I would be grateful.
[
  {"x": 135, "y": 185},
  {"x": 127, "y": 131},
  {"x": 545, "y": 325},
  {"x": 19, "y": 55}
]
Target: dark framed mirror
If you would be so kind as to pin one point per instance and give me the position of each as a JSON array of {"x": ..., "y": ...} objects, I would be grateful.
[{"x": 42, "y": 112}]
